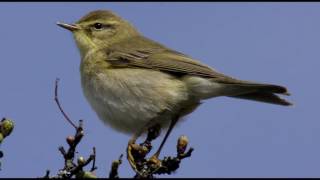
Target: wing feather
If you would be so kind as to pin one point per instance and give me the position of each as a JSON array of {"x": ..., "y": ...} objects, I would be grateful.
[{"x": 148, "y": 54}]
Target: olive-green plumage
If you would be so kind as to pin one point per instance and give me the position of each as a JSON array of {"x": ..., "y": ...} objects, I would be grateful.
[{"x": 131, "y": 80}]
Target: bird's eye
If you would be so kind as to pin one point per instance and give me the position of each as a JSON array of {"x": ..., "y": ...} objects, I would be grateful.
[{"x": 98, "y": 26}]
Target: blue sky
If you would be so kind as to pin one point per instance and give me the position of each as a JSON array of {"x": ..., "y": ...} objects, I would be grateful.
[{"x": 267, "y": 42}]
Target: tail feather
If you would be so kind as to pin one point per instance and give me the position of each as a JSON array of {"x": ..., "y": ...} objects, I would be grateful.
[
  {"x": 230, "y": 87},
  {"x": 270, "y": 88},
  {"x": 263, "y": 93},
  {"x": 264, "y": 97}
]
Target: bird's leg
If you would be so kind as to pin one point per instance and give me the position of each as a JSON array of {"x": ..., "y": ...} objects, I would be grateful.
[
  {"x": 133, "y": 138},
  {"x": 171, "y": 126},
  {"x": 131, "y": 142},
  {"x": 132, "y": 145}
]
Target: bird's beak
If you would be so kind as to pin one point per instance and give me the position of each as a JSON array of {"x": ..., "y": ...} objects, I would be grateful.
[{"x": 70, "y": 27}]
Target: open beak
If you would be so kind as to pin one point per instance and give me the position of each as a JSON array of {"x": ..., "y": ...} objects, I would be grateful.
[{"x": 70, "y": 27}]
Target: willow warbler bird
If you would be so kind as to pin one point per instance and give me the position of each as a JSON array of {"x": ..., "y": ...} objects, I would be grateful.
[{"x": 133, "y": 82}]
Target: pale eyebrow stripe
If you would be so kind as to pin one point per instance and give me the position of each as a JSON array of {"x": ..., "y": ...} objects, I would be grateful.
[{"x": 113, "y": 22}]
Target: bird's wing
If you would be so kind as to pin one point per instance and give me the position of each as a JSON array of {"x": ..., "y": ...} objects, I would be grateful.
[
  {"x": 152, "y": 55},
  {"x": 160, "y": 58}
]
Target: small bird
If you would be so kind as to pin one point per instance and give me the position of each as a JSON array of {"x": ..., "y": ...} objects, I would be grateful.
[{"x": 134, "y": 83}]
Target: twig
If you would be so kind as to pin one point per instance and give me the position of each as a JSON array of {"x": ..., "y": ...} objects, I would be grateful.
[
  {"x": 79, "y": 167},
  {"x": 72, "y": 168},
  {"x": 63, "y": 152},
  {"x": 77, "y": 138},
  {"x": 72, "y": 141},
  {"x": 114, "y": 168},
  {"x": 47, "y": 174},
  {"x": 94, "y": 167},
  {"x": 58, "y": 103},
  {"x": 147, "y": 168}
]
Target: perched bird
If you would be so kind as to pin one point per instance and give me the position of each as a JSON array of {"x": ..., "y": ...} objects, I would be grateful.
[{"x": 133, "y": 82}]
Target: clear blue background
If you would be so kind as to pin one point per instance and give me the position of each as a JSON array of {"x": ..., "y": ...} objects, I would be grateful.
[{"x": 268, "y": 42}]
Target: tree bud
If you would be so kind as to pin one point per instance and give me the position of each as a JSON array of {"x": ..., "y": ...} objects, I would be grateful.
[
  {"x": 70, "y": 140},
  {"x": 182, "y": 144},
  {"x": 81, "y": 160},
  {"x": 1, "y": 138},
  {"x": 6, "y": 126}
]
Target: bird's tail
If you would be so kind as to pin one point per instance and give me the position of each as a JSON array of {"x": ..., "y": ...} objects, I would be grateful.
[{"x": 261, "y": 92}]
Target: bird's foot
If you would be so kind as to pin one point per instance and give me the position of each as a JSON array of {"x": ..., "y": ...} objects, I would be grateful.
[
  {"x": 132, "y": 147},
  {"x": 136, "y": 153}
]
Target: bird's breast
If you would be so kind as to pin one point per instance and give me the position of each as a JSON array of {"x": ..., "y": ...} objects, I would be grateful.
[{"x": 127, "y": 98}]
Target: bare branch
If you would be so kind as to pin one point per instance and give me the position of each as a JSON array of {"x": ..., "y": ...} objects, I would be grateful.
[
  {"x": 58, "y": 103},
  {"x": 94, "y": 167},
  {"x": 114, "y": 168},
  {"x": 147, "y": 168}
]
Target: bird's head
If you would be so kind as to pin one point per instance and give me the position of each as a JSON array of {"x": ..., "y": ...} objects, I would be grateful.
[{"x": 99, "y": 29}]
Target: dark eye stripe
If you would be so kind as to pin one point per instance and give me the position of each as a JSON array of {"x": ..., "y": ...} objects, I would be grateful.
[
  {"x": 99, "y": 26},
  {"x": 108, "y": 26}
]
